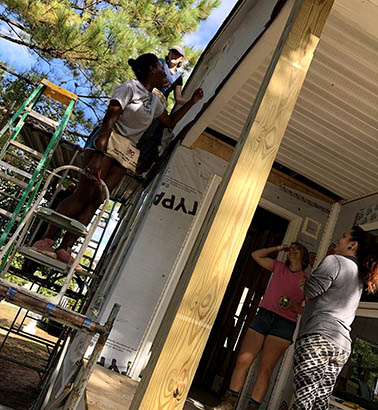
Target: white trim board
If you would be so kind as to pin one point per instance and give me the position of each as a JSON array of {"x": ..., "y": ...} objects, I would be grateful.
[
  {"x": 291, "y": 234},
  {"x": 144, "y": 348}
]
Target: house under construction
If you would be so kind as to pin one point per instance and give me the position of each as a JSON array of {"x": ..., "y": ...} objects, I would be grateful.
[{"x": 283, "y": 147}]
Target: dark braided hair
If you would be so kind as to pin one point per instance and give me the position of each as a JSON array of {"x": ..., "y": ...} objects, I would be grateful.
[
  {"x": 367, "y": 257},
  {"x": 141, "y": 66}
]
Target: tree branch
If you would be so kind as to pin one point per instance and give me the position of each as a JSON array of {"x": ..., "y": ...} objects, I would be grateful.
[
  {"x": 20, "y": 76},
  {"x": 47, "y": 50},
  {"x": 26, "y": 44},
  {"x": 12, "y": 22},
  {"x": 93, "y": 97}
]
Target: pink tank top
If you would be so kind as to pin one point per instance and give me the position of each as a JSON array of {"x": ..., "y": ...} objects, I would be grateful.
[{"x": 283, "y": 283}]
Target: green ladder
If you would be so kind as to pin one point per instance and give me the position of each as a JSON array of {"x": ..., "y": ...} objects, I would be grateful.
[{"x": 28, "y": 181}]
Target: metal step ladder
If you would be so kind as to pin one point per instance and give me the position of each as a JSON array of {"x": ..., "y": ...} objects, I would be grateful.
[
  {"x": 16, "y": 243},
  {"x": 22, "y": 169},
  {"x": 51, "y": 307}
]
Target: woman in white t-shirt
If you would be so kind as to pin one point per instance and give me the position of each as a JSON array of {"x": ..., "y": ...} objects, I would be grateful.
[{"x": 131, "y": 110}]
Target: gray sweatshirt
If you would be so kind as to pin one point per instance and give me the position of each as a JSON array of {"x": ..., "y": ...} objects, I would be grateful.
[{"x": 333, "y": 291}]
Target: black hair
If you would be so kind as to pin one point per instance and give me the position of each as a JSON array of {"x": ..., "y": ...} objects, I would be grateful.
[
  {"x": 305, "y": 255},
  {"x": 367, "y": 257},
  {"x": 141, "y": 66}
]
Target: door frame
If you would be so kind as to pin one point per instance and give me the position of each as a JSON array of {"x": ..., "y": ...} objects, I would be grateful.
[
  {"x": 368, "y": 309},
  {"x": 295, "y": 222}
]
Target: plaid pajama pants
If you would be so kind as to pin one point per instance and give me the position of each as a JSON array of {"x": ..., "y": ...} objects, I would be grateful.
[{"x": 317, "y": 363}]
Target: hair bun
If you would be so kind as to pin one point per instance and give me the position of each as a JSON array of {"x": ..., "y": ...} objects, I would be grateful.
[{"x": 131, "y": 62}]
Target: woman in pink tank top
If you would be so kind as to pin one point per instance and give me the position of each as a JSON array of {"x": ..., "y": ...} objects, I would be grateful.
[{"x": 271, "y": 331}]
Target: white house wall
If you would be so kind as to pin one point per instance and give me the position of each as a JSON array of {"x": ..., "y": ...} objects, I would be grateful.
[
  {"x": 220, "y": 61},
  {"x": 157, "y": 243},
  {"x": 358, "y": 212}
]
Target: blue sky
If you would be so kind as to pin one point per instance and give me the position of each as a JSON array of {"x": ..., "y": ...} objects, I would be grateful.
[
  {"x": 22, "y": 59},
  {"x": 209, "y": 27}
]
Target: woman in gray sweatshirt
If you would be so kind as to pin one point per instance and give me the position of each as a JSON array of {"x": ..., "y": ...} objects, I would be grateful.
[{"x": 332, "y": 294}]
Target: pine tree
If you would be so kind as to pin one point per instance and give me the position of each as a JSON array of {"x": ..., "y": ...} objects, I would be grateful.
[{"x": 86, "y": 43}]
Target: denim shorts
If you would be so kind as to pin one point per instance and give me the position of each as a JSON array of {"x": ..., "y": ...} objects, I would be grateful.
[{"x": 267, "y": 323}]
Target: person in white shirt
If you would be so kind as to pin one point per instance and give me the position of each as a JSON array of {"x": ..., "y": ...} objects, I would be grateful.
[
  {"x": 131, "y": 110},
  {"x": 152, "y": 139}
]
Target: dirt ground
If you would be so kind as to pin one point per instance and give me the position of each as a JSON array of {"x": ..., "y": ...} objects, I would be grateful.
[{"x": 19, "y": 385}]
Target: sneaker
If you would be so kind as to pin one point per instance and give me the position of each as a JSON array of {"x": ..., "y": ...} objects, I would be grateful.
[
  {"x": 227, "y": 404},
  {"x": 65, "y": 256},
  {"x": 44, "y": 246}
]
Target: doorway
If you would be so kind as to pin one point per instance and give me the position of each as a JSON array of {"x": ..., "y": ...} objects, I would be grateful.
[{"x": 243, "y": 295}]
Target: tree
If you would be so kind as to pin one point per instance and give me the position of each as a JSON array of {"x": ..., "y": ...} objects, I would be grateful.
[{"x": 84, "y": 45}]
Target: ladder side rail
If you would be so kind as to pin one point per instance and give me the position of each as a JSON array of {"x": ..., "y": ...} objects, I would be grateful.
[
  {"x": 102, "y": 236},
  {"x": 62, "y": 178},
  {"x": 81, "y": 382},
  {"x": 31, "y": 210},
  {"x": 83, "y": 247},
  {"x": 49, "y": 152},
  {"x": 38, "y": 172},
  {"x": 11, "y": 252},
  {"x": 55, "y": 373},
  {"x": 32, "y": 99}
]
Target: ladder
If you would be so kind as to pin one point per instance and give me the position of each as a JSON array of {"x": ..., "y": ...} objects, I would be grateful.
[
  {"x": 51, "y": 307},
  {"x": 22, "y": 168},
  {"x": 16, "y": 243}
]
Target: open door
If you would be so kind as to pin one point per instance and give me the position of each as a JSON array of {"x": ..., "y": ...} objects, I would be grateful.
[{"x": 246, "y": 288}]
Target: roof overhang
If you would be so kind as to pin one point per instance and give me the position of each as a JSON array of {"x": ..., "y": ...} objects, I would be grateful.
[{"x": 332, "y": 136}]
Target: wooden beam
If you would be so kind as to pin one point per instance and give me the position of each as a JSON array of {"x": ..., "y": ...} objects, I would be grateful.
[
  {"x": 213, "y": 145},
  {"x": 183, "y": 334},
  {"x": 223, "y": 150}
]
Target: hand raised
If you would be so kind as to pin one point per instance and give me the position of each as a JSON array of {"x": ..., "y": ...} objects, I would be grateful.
[{"x": 197, "y": 95}]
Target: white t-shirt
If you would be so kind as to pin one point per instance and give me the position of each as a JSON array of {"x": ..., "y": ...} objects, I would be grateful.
[{"x": 139, "y": 106}]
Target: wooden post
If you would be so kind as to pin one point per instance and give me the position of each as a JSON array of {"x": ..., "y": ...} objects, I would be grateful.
[{"x": 187, "y": 324}]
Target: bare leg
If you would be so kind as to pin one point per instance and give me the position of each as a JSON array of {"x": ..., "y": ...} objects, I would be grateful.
[
  {"x": 85, "y": 200},
  {"x": 274, "y": 347},
  {"x": 250, "y": 348},
  {"x": 112, "y": 176}
]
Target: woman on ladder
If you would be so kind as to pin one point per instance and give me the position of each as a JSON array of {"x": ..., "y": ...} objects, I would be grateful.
[{"x": 112, "y": 149}]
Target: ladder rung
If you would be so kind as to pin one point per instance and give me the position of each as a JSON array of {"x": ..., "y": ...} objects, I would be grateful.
[
  {"x": 15, "y": 170},
  {"x": 62, "y": 221},
  {"x": 45, "y": 260},
  {"x": 25, "y": 148},
  {"x": 12, "y": 179},
  {"x": 8, "y": 214},
  {"x": 42, "y": 118}
]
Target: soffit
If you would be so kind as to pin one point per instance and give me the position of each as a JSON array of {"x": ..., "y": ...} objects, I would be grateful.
[{"x": 332, "y": 136}]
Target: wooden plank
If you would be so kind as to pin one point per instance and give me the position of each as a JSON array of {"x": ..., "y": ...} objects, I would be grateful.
[
  {"x": 213, "y": 145},
  {"x": 58, "y": 93},
  {"x": 187, "y": 324},
  {"x": 222, "y": 150}
]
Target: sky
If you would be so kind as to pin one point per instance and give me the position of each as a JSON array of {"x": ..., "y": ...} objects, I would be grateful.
[
  {"x": 208, "y": 28},
  {"x": 21, "y": 58},
  {"x": 199, "y": 39}
]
